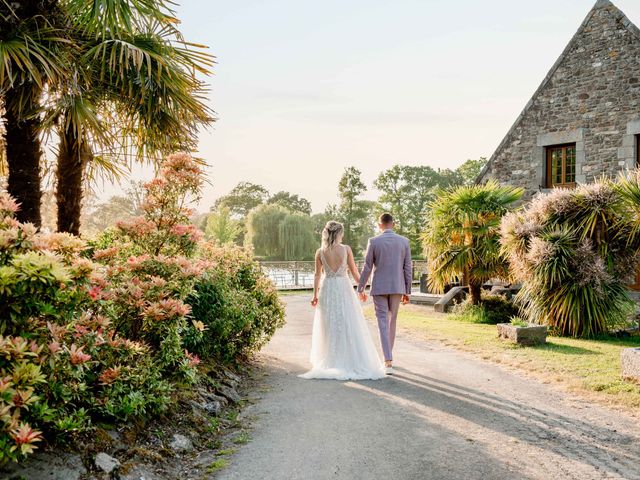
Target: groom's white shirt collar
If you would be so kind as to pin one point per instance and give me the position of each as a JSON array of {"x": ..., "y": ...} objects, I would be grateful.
[{"x": 388, "y": 230}]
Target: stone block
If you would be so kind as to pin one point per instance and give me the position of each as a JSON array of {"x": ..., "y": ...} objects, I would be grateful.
[
  {"x": 454, "y": 295},
  {"x": 531, "y": 335},
  {"x": 630, "y": 359}
]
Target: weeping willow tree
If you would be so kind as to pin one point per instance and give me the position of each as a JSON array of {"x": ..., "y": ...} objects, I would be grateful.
[
  {"x": 263, "y": 230},
  {"x": 297, "y": 239},
  {"x": 276, "y": 233}
]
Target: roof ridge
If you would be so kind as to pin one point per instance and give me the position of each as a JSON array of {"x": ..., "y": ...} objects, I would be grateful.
[{"x": 599, "y": 5}]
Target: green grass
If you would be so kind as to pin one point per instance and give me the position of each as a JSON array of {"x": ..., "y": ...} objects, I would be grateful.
[
  {"x": 217, "y": 465},
  {"x": 591, "y": 367},
  {"x": 242, "y": 438},
  {"x": 225, "y": 452}
]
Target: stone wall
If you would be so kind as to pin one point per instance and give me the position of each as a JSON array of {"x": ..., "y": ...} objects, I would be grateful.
[{"x": 591, "y": 97}]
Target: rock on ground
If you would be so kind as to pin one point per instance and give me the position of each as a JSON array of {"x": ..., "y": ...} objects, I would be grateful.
[
  {"x": 180, "y": 443},
  {"x": 46, "y": 466},
  {"x": 106, "y": 463}
]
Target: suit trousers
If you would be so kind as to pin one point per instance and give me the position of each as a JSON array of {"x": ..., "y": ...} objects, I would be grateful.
[{"x": 387, "y": 307}]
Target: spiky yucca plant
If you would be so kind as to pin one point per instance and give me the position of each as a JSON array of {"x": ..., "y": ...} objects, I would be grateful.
[
  {"x": 462, "y": 234},
  {"x": 574, "y": 252}
]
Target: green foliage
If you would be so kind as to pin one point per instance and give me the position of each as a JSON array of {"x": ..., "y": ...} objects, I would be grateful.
[
  {"x": 234, "y": 305},
  {"x": 518, "y": 322},
  {"x": 405, "y": 192},
  {"x": 263, "y": 230},
  {"x": 221, "y": 228},
  {"x": 276, "y": 233},
  {"x": 61, "y": 362},
  {"x": 352, "y": 211},
  {"x": 291, "y": 202},
  {"x": 470, "y": 170},
  {"x": 492, "y": 309},
  {"x": 151, "y": 270},
  {"x": 242, "y": 199},
  {"x": 107, "y": 214},
  {"x": 86, "y": 342},
  {"x": 575, "y": 251},
  {"x": 298, "y": 240},
  {"x": 462, "y": 233}
]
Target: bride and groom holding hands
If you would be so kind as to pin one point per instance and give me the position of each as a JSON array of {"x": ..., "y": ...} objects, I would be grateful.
[{"x": 342, "y": 347}]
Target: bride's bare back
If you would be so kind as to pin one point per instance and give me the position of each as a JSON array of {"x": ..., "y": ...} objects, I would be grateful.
[{"x": 335, "y": 257}]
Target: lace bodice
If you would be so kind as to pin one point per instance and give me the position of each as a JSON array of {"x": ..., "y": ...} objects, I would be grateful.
[{"x": 328, "y": 272}]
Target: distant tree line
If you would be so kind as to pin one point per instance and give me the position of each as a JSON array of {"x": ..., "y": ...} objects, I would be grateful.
[{"x": 282, "y": 227}]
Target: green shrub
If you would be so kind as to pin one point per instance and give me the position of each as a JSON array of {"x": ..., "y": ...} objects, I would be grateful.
[
  {"x": 234, "y": 305},
  {"x": 518, "y": 322},
  {"x": 575, "y": 253},
  {"x": 493, "y": 309},
  {"x": 61, "y": 362}
]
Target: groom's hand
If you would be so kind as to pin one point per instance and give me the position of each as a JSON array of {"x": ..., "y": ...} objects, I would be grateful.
[
  {"x": 363, "y": 296},
  {"x": 405, "y": 299}
]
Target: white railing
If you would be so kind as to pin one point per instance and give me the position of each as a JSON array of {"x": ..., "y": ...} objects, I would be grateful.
[{"x": 299, "y": 275}]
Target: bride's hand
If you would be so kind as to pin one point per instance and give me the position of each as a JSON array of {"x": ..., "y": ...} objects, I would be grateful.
[{"x": 314, "y": 302}]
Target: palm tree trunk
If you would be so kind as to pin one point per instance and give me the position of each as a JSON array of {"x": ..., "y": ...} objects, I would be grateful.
[
  {"x": 475, "y": 290},
  {"x": 23, "y": 157},
  {"x": 73, "y": 157}
]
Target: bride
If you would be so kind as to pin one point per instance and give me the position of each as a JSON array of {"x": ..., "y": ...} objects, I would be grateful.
[{"x": 341, "y": 347}]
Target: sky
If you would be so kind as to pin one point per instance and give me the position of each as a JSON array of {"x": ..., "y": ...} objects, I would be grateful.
[{"x": 303, "y": 89}]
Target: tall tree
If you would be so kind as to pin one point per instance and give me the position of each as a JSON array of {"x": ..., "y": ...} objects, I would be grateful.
[
  {"x": 263, "y": 230},
  {"x": 107, "y": 214},
  {"x": 277, "y": 234},
  {"x": 470, "y": 170},
  {"x": 243, "y": 198},
  {"x": 292, "y": 202},
  {"x": 32, "y": 57},
  {"x": 134, "y": 68},
  {"x": 405, "y": 192},
  {"x": 353, "y": 211},
  {"x": 462, "y": 235},
  {"x": 297, "y": 240},
  {"x": 221, "y": 227}
]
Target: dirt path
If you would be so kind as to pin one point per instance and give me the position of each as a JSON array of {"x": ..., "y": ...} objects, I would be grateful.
[{"x": 443, "y": 415}]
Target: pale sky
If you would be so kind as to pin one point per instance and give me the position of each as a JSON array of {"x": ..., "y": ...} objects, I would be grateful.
[{"x": 306, "y": 88}]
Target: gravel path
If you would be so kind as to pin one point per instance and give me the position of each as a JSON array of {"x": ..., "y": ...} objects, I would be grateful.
[{"x": 444, "y": 415}]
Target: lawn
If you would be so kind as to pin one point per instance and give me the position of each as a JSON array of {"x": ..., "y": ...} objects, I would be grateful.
[{"x": 589, "y": 367}]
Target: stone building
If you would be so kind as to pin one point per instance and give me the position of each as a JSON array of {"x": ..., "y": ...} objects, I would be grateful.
[{"x": 584, "y": 120}]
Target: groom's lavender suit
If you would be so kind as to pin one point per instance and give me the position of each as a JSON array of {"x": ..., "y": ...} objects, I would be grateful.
[{"x": 389, "y": 257}]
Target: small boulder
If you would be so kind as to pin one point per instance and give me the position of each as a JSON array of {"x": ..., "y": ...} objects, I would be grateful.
[
  {"x": 211, "y": 408},
  {"x": 229, "y": 393},
  {"x": 106, "y": 463},
  {"x": 630, "y": 360},
  {"x": 180, "y": 443},
  {"x": 232, "y": 376},
  {"x": 48, "y": 466}
]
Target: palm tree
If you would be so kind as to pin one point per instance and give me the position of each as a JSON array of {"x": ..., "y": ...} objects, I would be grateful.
[
  {"x": 32, "y": 56},
  {"x": 133, "y": 93},
  {"x": 462, "y": 235}
]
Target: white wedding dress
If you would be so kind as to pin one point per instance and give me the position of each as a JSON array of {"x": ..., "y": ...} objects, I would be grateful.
[{"x": 341, "y": 347}]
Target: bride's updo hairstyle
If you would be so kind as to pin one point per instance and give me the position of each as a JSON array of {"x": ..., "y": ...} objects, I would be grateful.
[{"x": 332, "y": 232}]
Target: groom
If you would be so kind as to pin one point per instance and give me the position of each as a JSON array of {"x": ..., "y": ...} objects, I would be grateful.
[{"x": 389, "y": 257}]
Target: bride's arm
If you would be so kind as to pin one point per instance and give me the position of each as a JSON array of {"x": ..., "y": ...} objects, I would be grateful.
[
  {"x": 352, "y": 265},
  {"x": 316, "y": 279}
]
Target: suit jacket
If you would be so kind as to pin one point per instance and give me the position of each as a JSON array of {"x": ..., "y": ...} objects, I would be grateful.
[{"x": 389, "y": 258}]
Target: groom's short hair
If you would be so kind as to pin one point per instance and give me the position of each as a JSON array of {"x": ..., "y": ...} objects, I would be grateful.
[{"x": 386, "y": 219}]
